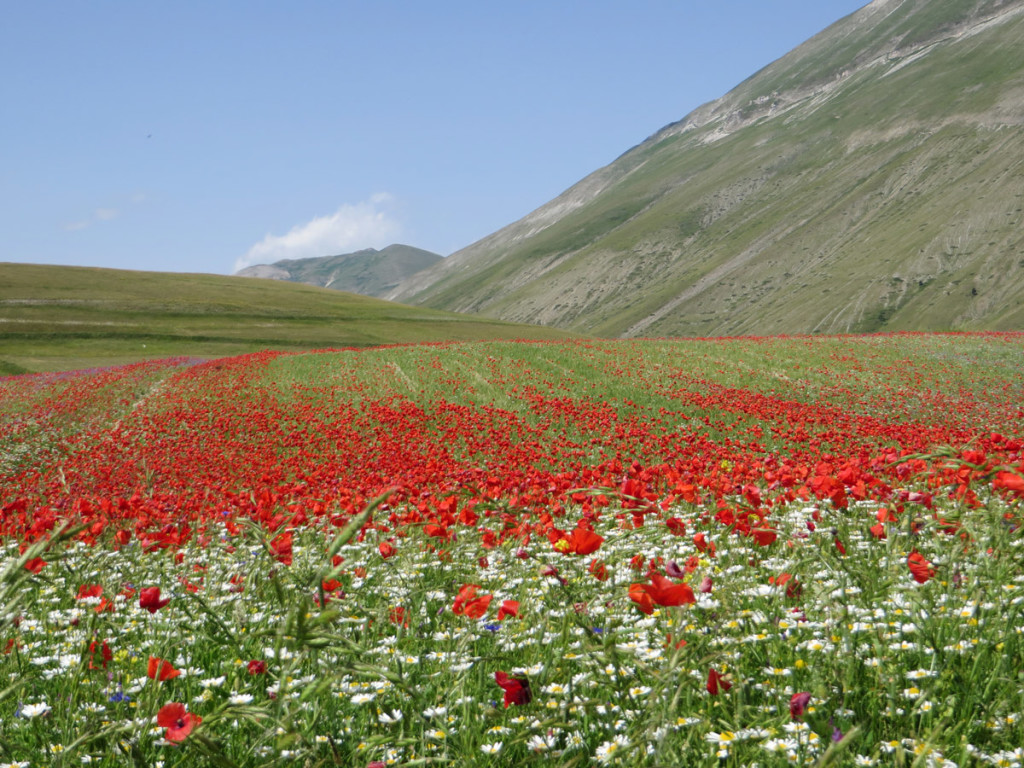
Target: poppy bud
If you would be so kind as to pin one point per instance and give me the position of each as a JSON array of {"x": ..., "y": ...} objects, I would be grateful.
[{"x": 798, "y": 705}]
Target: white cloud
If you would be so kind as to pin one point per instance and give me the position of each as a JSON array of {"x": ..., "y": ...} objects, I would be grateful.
[
  {"x": 100, "y": 214},
  {"x": 350, "y": 228}
]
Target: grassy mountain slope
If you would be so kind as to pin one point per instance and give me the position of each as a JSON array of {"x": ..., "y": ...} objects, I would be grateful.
[
  {"x": 61, "y": 318},
  {"x": 871, "y": 179},
  {"x": 369, "y": 272}
]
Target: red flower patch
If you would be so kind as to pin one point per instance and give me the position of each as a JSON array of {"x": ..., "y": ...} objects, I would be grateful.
[
  {"x": 517, "y": 689},
  {"x": 661, "y": 591},
  {"x": 159, "y": 669},
  {"x": 920, "y": 568},
  {"x": 469, "y": 604},
  {"x": 149, "y": 598},
  {"x": 177, "y": 721},
  {"x": 716, "y": 682}
]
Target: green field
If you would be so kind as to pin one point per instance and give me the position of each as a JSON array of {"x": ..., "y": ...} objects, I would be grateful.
[
  {"x": 711, "y": 553},
  {"x": 66, "y": 318}
]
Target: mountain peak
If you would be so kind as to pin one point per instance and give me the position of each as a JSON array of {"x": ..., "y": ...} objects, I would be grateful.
[{"x": 368, "y": 271}]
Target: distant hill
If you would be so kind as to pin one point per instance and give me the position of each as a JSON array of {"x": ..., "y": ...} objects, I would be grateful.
[
  {"x": 871, "y": 179},
  {"x": 63, "y": 318},
  {"x": 369, "y": 272}
]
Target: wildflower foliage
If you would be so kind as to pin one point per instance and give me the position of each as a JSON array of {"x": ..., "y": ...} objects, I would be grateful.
[{"x": 721, "y": 552}]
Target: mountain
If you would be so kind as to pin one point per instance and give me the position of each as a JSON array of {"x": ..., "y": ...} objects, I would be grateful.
[
  {"x": 871, "y": 179},
  {"x": 369, "y": 271}
]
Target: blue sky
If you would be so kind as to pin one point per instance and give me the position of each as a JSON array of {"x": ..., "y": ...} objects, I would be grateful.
[{"x": 201, "y": 136}]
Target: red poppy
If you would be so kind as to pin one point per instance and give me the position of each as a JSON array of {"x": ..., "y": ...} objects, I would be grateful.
[
  {"x": 35, "y": 565},
  {"x": 386, "y": 549},
  {"x": 178, "y": 722},
  {"x": 89, "y": 590},
  {"x": 105, "y": 605},
  {"x": 1009, "y": 481},
  {"x": 583, "y": 541},
  {"x": 920, "y": 568},
  {"x": 160, "y": 670},
  {"x": 257, "y": 667},
  {"x": 398, "y": 615},
  {"x": 716, "y": 682},
  {"x": 703, "y": 545},
  {"x": 469, "y": 604},
  {"x": 660, "y": 591},
  {"x": 508, "y": 608},
  {"x": 468, "y": 517},
  {"x": 676, "y": 526},
  {"x": 670, "y": 641},
  {"x": 598, "y": 570},
  {"x": 149, "y": 598},
  {"x": 793, "y": 586},
  {"x": 639, "y": 594},
  {"x": 439, "y": 532},
  {"x": 517, "y": 689},
  {"x": 886, "y": 515},
  {"x": 281, "y": 548},
  {"x": 764, "y": 536}
]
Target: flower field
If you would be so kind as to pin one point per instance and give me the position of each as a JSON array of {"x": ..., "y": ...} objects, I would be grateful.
[{"x": 764, "y": 551}]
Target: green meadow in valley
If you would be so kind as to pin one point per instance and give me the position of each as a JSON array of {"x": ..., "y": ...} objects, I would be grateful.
[{"x": 64, "y": 318}]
